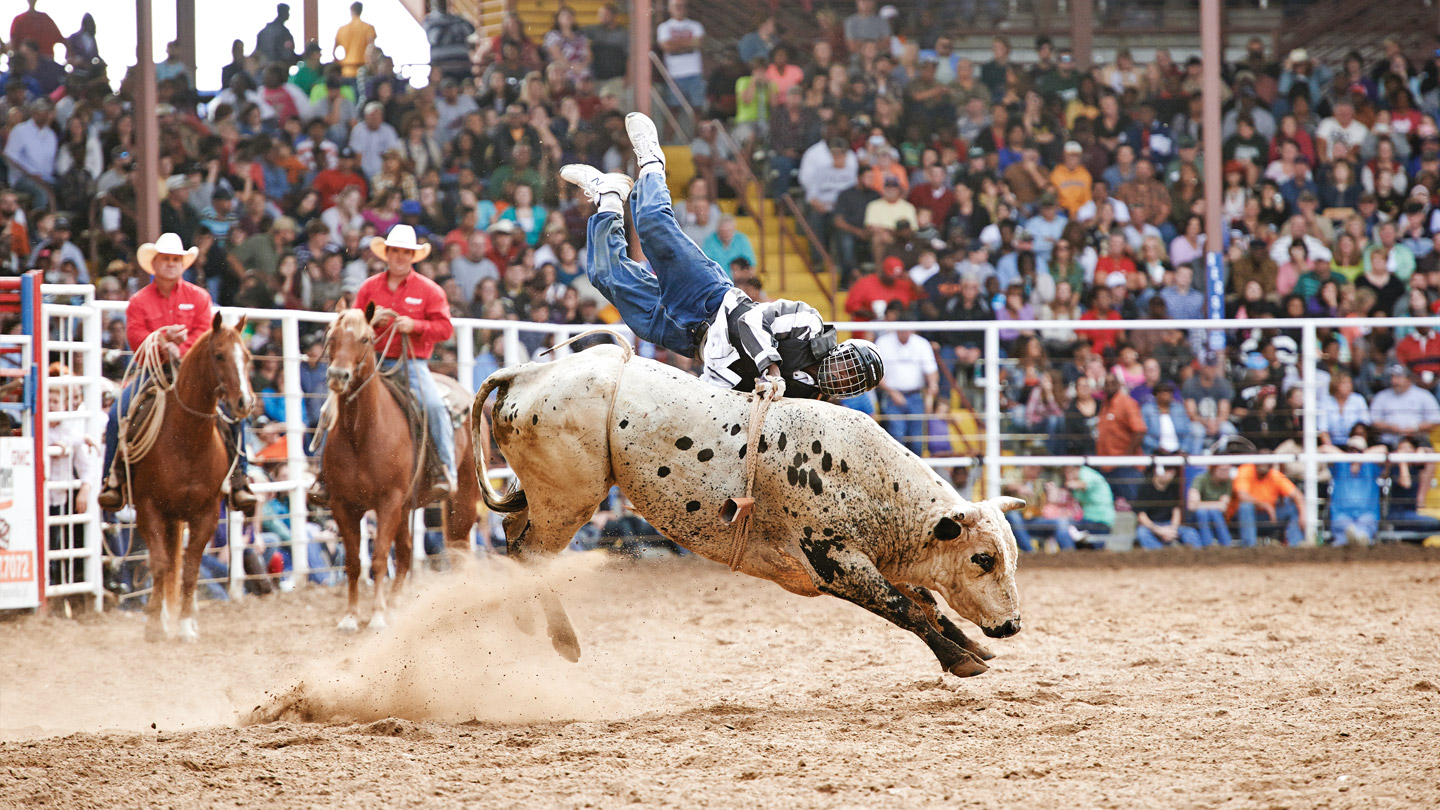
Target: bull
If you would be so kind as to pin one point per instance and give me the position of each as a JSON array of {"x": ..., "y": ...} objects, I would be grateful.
[{"x": 840, "y": 507}]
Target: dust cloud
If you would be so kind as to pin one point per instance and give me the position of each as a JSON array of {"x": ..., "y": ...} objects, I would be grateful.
[{"x": 456, "y": 654}]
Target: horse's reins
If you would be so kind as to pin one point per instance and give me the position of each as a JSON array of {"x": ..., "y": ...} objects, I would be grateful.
[
  {"x": 391, "y": 372},
  {"x": 150, "y": 362}
]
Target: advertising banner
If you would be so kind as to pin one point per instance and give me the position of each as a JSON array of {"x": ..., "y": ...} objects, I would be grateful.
[{"x": 20, "y": 574}]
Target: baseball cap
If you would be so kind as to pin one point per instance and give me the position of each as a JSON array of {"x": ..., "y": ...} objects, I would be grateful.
[
  {"x": 1186, "y": 141},
  {"x": 62, "y": 223},
  {"x": 977, "y": 152},
  {"x": 1049, "y": 198},
  {"x": 1397, "y": 370},
  {"x": 346, "y": 152},
  {"x": 221, "y": 193},
  {"x": 410, "y": 208},
  {"x": 1073, "y": 148},
  {"x": 893, "y": 266},
  {"x": 839, "y": 144},
  {"x": 892, "y": 180}
]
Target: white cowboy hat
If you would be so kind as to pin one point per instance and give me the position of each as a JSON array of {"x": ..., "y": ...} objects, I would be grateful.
[
  {"x": 401, "y": 236},
  {"x": 170, "y": 245}
]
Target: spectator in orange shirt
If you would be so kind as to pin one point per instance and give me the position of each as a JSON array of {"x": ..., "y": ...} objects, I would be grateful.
[
  {"x": 886, "y": 167},
  {"x": 1071, "y": 179},
  {"x": 1120, "y": 433},
  {"x": 1264, "y": 495}
]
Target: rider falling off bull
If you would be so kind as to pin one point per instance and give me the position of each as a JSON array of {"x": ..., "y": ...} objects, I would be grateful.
[{"x": 691, "y": 307}]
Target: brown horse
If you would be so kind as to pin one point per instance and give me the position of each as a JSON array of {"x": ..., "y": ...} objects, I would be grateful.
[
  {"x": 369, "y": 463},
  {"x": 178, "y": 483}
]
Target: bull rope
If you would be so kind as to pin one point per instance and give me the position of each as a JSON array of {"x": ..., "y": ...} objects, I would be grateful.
[{"x": 740, "y": 538}]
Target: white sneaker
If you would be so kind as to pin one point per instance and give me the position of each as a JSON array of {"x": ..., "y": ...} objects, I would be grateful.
[
  {"x": 596, "y": 183},
  {"x": 645, "y": 140}
]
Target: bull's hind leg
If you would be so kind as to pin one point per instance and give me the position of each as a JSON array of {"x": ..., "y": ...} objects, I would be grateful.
[
  {"x": 553, "y": 518},
  {"x": 947, "y": 628},
  {"x": 850, "y": 575}
]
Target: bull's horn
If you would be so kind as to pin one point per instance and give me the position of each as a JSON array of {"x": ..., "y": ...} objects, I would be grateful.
[
  {"x": 966, "y": 515},
  {"x": 1008, "y": 504}
]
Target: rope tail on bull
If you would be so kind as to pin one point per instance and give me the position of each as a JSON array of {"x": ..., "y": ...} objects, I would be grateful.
[{"x": 814, "y": 497}]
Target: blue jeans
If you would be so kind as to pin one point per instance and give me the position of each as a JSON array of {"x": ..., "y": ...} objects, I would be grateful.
[
  {"x": 1408, "y": 520},
  {"x": 1058, "y": 527},
  {"x": 1341, "y": 522},
  {"x": 1212, "y": 528},
  {"x": 783, "y": 167},
  {"x": 693, "y": 88},
  {"x": 424, "y": 388},
  {"x": 1146, "y": 538},
  {"x": 1285, "y": 512},
  {"x": 900, "y": 421},
  {"x": 122, "y": 402},
  {"x": 667, "y": 306}
]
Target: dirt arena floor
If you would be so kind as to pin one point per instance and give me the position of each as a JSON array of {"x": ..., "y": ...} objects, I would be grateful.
[{"x": 1259, "y": 683}]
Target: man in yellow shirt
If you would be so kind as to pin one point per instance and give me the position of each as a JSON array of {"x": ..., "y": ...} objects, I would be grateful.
[
  {"x": 1071, "y": 180},
  {"x": 355, "y": 38}
]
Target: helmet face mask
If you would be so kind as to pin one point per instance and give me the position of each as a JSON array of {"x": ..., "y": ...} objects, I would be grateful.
[{"x": 852, "y": 368}]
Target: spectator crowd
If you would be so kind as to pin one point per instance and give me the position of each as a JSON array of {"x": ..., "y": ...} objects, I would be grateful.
[{"x": 942, "y": 187}]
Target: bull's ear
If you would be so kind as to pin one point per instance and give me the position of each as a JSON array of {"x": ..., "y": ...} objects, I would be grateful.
[
  {"x": 341, "y": 304},
  {"x": 369, "y": 311},
  {"x": 1008, "y": 504},
  {"x": 216, "y": 323},
  {"x": 240, "y": 324},
  {"x": 947, "y": 529}
]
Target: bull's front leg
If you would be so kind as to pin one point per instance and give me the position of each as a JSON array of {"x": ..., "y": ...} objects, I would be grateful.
[
  {"x": 947, "y": 628},
  {"x": 841, "y": 571}
]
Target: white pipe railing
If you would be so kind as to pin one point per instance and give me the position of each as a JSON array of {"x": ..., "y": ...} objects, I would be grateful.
[{"x": 994, "y": 458}]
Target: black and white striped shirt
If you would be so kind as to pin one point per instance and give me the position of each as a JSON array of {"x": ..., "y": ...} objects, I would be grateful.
[{"x": 743, "y": 333}]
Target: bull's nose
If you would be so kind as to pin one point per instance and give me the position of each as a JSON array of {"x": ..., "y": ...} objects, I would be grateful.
[
  {"x": 1005, "y": 630},
  {"x": 338, "y": 377}
]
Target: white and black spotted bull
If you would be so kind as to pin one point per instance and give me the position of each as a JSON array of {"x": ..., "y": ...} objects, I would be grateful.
[{"x": 840, "y": 507}]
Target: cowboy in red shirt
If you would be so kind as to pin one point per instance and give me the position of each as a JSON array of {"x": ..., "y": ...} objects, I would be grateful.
[
  {"x": 410, "y": 305},
  {"x": 180, "y": 312}
]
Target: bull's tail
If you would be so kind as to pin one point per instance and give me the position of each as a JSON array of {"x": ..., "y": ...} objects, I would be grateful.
[
  {"x": 480, "y": 433},
  {"x": 620, "y": 340}
]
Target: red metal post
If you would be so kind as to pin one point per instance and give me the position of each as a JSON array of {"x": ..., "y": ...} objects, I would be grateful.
[
  {"x": 185, "y": 32},
  {"x": 1082, "y": 31},
  {"x": 147, "y": 140},
  {"x": 1212, "y": 147},
  {"x": 312, "y": 21},
  {"x": 640, "y": 43}
]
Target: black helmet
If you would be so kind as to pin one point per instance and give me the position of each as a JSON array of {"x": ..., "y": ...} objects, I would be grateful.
[{"x": 851, "y": 368}]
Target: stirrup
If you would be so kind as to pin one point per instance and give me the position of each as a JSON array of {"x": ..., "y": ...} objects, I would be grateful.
[
  {"x": 317, "y": 494},
  {"x": 111, "y": 499}
]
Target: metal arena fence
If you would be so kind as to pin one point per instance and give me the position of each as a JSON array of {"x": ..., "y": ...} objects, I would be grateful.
[{"x": 975, "y": 431}]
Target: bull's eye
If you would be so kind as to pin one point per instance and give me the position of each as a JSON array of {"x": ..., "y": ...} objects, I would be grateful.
[{"x": 985, "y": 561}]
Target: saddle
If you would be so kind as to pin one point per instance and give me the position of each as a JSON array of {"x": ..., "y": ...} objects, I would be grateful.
[{"x": 457, "y": 404}]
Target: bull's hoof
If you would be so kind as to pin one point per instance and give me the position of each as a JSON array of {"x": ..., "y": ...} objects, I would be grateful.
[
  {"x": 349, "y": 624},
  {"x": 567, "y": 645},
  {"x": 378, "y": 623},
  {"x": 189, "y": 631},
  {"x": 978, "y": 650},
  {"x": 968, "y": 667}
]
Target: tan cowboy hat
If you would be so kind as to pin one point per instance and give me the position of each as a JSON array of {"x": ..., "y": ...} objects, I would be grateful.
[
  {"x": 170, "y": 245},
  {"x": 401, "y": 236}
]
